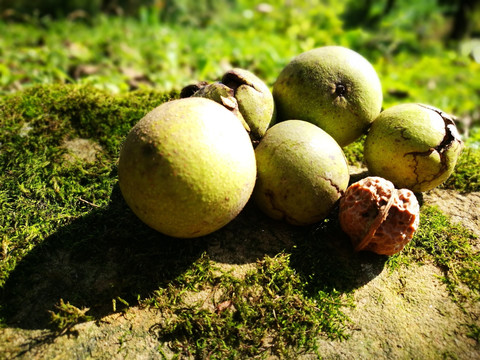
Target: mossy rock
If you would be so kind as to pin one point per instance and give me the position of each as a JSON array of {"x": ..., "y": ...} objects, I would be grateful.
[{"x": 75, "y": 260}]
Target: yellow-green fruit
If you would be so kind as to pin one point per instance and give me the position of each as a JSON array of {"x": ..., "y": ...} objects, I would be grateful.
[
  {"x": 187, "y": 168},
  {"x": 332, "y": 87},
  {"x": 255, "y": 101},
  {"x": 301, "y": 173},
  {"x": 414, "y": 146}
]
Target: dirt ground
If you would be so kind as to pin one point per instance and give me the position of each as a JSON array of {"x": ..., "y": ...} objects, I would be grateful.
[{"x": 401, "y": 314}]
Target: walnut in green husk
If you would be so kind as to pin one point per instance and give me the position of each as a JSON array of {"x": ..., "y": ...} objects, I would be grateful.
[
  {"x": 187, "y": 168},
  {"x": 223, "y": 95},
  {"x": 255, "y": 101},
  {"x": 243, "y": 93},
  {"x": 415, "y": 146},
  {"x": 301, "y": 173},
  {"x": 332, "y": 87}
]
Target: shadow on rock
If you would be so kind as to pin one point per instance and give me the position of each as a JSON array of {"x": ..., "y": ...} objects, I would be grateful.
[
  {"x": 326, "y": 260},
  {"x": 251, "y": 236},
  {"x": 110, "y": 255},
  {"x": 104, "y": 255}
]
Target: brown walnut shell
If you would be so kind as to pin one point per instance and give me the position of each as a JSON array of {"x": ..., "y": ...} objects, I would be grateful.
[{"x": 377, "y": 217}]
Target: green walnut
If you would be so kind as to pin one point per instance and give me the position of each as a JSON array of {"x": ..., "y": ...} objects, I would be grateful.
[
  {"x": 243, "y": 93},
  {"x": 301, "y": 173},
  {"x": 255, "y": 101},
  {"x": 332, "y": 87},
  {"x": 187, "y": 168},
  {"x": 223, "y": 95},
  {"x": 415, "y": 146}
]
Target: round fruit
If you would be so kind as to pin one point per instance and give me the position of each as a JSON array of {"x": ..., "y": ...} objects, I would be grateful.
[
  {"x": 301, "y": 173},
  {"x": 243, "y": 93},
  {"x": 332, "y": 87},
  {"x": 414, "y": 146},
  {"x": 255, "y": 101},
  {"x": 187, "y": 168}
]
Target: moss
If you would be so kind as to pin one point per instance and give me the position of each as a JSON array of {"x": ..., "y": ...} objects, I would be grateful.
[
  {"x": 354, "y": 152},
  {"x": 78, "y": 111},
  {"x": 453, "y": 249},
  {"x": 265, "y": 312},
  {"x": 40, "y": 191},
  {"x": 466, "y": 177},
  {"x": 474, "y": 332},
  {"x": 450, "y": 247},
  {"x": 67, "y": 316}
]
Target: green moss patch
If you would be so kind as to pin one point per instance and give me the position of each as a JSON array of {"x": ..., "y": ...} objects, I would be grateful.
[
  {"x": 266, "y": 311},
  {"x": 466, "y": 177},
  {"x": 451, "y": 248}
]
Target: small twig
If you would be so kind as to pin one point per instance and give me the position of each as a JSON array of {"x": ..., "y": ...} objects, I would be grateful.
[{"x": 88, "y": 202}]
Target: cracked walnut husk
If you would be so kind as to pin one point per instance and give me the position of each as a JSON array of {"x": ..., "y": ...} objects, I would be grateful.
[
  {"x": 415, "y": 146},
  {"x": 244, "y": 94}
]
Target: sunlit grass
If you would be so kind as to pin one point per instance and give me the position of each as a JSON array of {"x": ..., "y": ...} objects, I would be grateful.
[{"x": 121, "y": 54}]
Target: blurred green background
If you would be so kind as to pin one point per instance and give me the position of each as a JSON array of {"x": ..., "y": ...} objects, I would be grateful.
[{"x": 424, "y": 51}]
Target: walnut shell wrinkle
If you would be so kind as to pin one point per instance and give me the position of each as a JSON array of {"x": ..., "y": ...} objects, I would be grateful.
[{"x": 377, "y": 217}]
